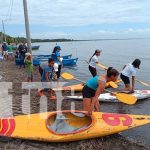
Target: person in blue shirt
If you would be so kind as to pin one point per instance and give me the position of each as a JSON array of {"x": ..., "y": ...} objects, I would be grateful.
[
  {"x": 57, "y": 59},
  {"x": 48, "y": 75},
  {"x": 94, "y": 87}
]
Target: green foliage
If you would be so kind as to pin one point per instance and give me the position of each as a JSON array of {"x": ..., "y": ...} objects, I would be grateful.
[{"x": 22, "y": 39}]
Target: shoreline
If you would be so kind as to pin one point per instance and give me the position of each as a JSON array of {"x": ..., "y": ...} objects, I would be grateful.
[{"x": 10, "y": 73}]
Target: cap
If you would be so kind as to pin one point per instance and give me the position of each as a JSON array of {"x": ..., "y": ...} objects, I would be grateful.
[{"x": 58, "y": 47}]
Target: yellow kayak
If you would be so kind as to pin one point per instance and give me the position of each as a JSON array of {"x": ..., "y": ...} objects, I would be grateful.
[
  {"x": 77, "y": 87},
  {"x": 68, "y": 126}
]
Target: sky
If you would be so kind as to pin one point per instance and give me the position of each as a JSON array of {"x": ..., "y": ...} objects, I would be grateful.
[{"x": 78, "y": 19}]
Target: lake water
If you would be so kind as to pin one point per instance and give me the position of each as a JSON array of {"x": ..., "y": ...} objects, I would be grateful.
[{"x": 115, "y": 53}]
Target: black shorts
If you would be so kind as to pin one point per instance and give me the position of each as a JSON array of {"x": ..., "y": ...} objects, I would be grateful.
[
  {"x": 93, "y": 71},
  {"x": 88, "y": 92},
  {"x": 125, "y": 79}
]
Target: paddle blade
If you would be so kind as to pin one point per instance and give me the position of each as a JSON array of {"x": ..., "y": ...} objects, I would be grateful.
[
  {"x": 67, "y": 76},
  {"x": 118, "y": 81},
  {"x": 113, "y": 84},
  {"x": 126, "y": 98}
]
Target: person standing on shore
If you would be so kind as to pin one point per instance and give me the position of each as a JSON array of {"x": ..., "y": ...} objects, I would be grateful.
[
  {"x": 5, "y": 51},
  {"x": 10, "y": 52},
  {"x": 57, "y": 59},
  {"x": 93, "y": 62},
  {"x": 22, "y": 50},
  {"x": 29, "y": 67}
]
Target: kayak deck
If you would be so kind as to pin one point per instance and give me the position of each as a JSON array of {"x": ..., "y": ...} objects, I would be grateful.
[
  {"x": 68, "y": 125},
  {"x": 107, "y": 97}
]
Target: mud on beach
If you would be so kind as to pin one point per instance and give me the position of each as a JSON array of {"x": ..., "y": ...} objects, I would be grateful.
[{"x": 10, "y": 73}]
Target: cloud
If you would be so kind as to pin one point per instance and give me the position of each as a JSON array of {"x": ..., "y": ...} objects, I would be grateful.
[
  {"x": 142, "y": 30},
  {"x": 79, "y": 19},
  {"x": 106, "y": 32},
  {"x": 79, "y": 12}
]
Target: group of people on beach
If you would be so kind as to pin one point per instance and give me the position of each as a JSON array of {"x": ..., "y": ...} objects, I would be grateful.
[
  {"x": 96, "y": 85},
  {"x": 21, "y": 53},
  {"x": 7, "y": 51},
  {"x": 51, "y": 70}
]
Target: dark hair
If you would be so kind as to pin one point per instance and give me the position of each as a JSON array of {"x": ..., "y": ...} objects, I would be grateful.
[
  {"x": 136, "y": 63},
  {"x": 96, "y": 51},
  {"x": 112, "y": 72},
  {"x": 56, "y": 48},
  {"x": 50, "y": 60}
]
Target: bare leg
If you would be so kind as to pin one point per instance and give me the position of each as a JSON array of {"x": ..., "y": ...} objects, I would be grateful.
[
  {"x": 97, "y": 106},
  {"x": 86, "y": 104},
  {"x": 126, "y": 89}
]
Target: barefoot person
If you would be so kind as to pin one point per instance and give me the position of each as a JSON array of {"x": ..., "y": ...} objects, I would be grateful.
[
  {"x": 29, "y": 66},
  {"x": 93, "y": 62},
  {"x": 94, "y": 87},
  {"x": 130, "y": 71},
  {"x": 5, "y": 51}
]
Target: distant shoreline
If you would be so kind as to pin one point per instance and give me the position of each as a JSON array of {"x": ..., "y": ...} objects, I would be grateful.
[
  {"x": 11, "y": 39},
  {"x": 65, "y": 40}
]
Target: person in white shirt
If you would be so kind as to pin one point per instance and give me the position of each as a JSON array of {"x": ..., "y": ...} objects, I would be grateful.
[
  {"x": 93, "y": 62},
  {"x": 130, "y": 71}
]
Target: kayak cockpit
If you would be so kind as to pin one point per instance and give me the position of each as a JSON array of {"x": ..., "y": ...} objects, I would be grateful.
[{"x": 68, "y": 122}]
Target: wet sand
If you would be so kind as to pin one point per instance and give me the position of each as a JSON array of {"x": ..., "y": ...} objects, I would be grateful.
[{"x": 10, "y": 73}]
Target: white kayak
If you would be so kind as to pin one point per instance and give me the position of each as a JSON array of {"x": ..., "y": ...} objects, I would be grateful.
[{"x": 107, "y": 97}]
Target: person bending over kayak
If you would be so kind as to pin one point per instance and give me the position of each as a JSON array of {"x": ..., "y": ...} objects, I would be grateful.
[
  {"x": 48, "y": 75},
  {"x": 93, "y": 62},
  {"x": 130, "y": 71},
  {"x": 44, "y": 65},
  {"x": 94, "y": 87},
  {"x": 57, "y": 59}
]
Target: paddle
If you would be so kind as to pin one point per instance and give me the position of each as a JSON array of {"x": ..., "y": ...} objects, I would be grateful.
[
  {"x": 102, "y": 66},
  {"x": 105, "y": 67},
  {"x": 112, "y": 84},
  {"x": 125, "y": 98},
  {"x": 69, "y": 76}
]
